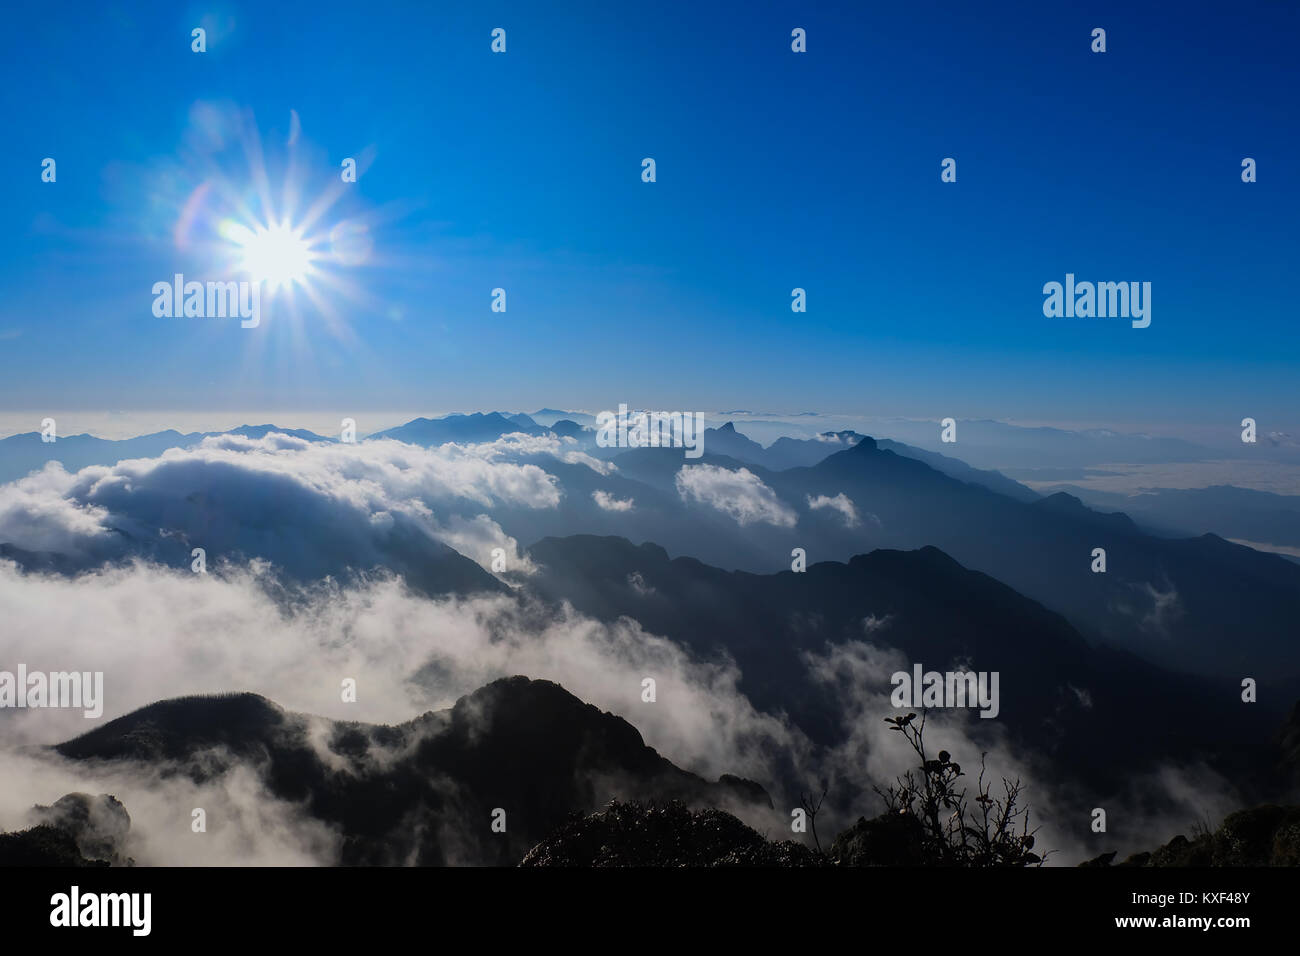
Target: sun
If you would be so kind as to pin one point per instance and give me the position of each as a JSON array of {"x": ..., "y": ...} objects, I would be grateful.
[{"x": 276, "y": 255}]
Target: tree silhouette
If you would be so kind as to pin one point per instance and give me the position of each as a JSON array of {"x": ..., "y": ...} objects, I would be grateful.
[
  {"x": 811, "y": 804},
  {"x": 993, "y": 833}
]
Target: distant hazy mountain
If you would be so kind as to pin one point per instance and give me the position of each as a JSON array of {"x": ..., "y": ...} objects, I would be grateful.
[
  {"x": 727, "y": 441},
  {"x": 22, "y": 454},
  {"x": 1236, "y": 513},
  {"x": 567, "y": 428},
  {"x": 1009, "y": 448},
  {"x": 524, "y": 422},
  {"x": 238, "y": 505},
  {"x": 549, "y": 416},
  {"x": 785, "y": 452},
  {"x": 789, "y": 452},
  {"x": 421, "y": 792},
  {"x": 955, "y": 468},
  {"x": 478, "y": 427}
]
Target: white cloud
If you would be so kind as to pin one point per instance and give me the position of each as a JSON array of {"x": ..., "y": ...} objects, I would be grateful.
[
  {"x": 608, "y": 502},
  {"x": 478, "y": 537},
  {"x": 519, "y": 444},
  {"x": 158, "y": 633},
  {"x": 740, "y": 494},
  {"x": 841, "y": 503},
  {"x": 313, "y": 508}
]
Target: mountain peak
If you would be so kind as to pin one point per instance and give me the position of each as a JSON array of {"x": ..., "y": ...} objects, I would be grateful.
[
  {"x": 865, "y": 444},
  {"x": 1061, "y": 501}
]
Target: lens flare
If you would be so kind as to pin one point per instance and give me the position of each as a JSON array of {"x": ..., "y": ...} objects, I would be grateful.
[{"x": 276, "y": 255}]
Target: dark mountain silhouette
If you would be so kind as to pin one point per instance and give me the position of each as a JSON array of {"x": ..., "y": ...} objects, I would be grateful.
[
  {"x": 1170, "y": 600},
  {"x": 1071, "y": 704},
  {"x": 1287, "y": 748},
  {"x": 424, "y": 791},
  {"x": 667, "y": 835},
  {"x": 43, "y": 846},
  {"x": 671, "y": 835},
  {"x": 1267, "y": 835},
  {"x": 76, "y": 830}
]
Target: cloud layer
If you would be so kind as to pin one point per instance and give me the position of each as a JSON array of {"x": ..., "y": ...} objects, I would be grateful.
[{"x": 311, "y": 508}]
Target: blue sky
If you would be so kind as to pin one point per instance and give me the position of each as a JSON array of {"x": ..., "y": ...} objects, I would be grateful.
[{"x": 775, "y": 170}]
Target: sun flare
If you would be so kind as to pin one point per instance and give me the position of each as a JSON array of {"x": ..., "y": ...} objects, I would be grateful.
[{"x": 276, "y": 255}]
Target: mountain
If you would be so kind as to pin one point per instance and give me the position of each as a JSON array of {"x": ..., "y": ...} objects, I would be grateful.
[
  {"x": 78, "y": 830},
  {"x": 1170, "y": 600},
  {"x": 425, "y": 791},
  {"x": 304, "y": 536},
  {"x": 1096, "y": 714},
  {"x": 664, "y": 835},
  {"x": 256, "y": 432},
  {"x": 479, "y": 427},
  {"x": 1260, "y": 836},
  {"x": 955, "y": 468},
  {"x": 525, "y": 423},
  {"x": 787, "y": 452},
  {"x": 20, "y": 455},
  {"x": 549, "y": 416},
  {"x": 1242, "y": 514},
  {"x": 1021, "y": 451},
  {"x": 727, "y": 441},
  {"x": 566, "y": 428},
  {"x": 463, "y": 429}
]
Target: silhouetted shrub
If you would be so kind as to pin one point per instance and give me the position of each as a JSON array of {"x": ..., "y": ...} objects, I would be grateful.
[{"x": 993, "y": 832}]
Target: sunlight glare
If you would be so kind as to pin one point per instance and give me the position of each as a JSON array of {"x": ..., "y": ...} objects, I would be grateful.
[{"x": 277, "y": 254}]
